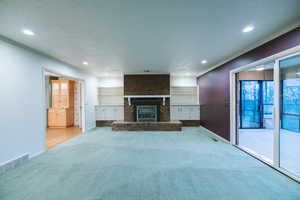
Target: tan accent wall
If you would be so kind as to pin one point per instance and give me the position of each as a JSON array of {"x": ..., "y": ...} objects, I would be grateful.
[{"x": 266, "y": 75}]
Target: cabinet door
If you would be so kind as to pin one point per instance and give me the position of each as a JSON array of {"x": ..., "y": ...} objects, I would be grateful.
[
  {"x": 174, "y": 113},
  {"x": 121, "y": 113},
  {"x": 56, "y": 101},
  {"x": 98, "y": 113},
  {"x": 64, "y": 99},
  {"x": 57, "y": 118},
  {"x": 55, "y": 88},
  {"x": 109, "y": 113},
  {"x": 194, "y": 113},
  {"x": 51, "y": 117},
  {"x": 197, "y": 113},
  {"x": 61, "y": 118},
  {"x": 104, "y": 115},
  {"x": 70, "y": 117},
  {"x": 191, "y": 113},
  {"x": 184, "y": 114},
  {"x": 64, "y": 88},
  {"x": 115, "y": 113}
]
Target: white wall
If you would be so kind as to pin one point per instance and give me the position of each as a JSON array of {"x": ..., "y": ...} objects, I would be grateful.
[
  {"x": 184, "y": 90},
  {"x": 183, "y": 81},
  {"x": 110, "y": 90},
  {"x": 108, "y": 82},
  {"x": 22, "y": 99},
  {"x": 111, "y": 96}
]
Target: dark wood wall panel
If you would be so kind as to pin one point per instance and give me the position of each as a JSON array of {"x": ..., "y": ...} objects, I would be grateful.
[
  {"x": 147, "y": 84},
  {"x": 214, "y": 85}
]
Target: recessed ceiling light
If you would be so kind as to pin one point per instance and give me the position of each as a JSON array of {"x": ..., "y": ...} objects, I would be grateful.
[
  {"x": 28, "y": 32},
  {"x": 260, "y": 69},
  {"x": 85, "y": 63},
  {"x": 204, "y": 61},
  {"x": 248, "y": 29}
]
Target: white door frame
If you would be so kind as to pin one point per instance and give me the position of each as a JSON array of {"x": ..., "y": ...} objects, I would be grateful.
[
  {"x": 82, "y": 100},
  {"x": 233, "y": 111}
]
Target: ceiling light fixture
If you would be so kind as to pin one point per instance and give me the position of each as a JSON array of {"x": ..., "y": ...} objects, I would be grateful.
[
  {"x": 85, "y": 63},
  {"x": 204, "y": 61},
  {"x": 248, "y": 29},
  {"x": 260, "y": 69},
  {"x": 28, "y": 32}
]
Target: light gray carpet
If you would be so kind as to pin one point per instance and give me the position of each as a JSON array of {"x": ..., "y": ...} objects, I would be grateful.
[{"x": 106, "y": 165}]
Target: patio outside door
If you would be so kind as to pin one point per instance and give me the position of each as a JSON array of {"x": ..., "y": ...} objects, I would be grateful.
[
  {"x": 255, "y": 110},
  {"x": 289, "y": 137}
]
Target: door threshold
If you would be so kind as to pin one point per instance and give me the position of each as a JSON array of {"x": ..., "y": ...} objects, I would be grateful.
[{"x": 270, "y": 164}]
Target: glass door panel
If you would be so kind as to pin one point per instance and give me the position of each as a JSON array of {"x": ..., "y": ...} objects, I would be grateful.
[
  {"x": 250, "y": 104},
  {"x": 267, "y": 104},
  {"x": 290, "y": 114}
]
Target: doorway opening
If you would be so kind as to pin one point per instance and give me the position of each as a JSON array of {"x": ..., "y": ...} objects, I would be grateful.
[
  {"x": 255, "y": 100},
  {"x": 64, "y": 108}
]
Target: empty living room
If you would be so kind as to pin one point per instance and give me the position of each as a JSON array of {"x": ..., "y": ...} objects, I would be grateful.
[{"x": 150, "y": 100}]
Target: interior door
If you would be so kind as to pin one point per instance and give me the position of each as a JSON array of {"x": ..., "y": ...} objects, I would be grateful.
[{"x": 250, "y": 104}]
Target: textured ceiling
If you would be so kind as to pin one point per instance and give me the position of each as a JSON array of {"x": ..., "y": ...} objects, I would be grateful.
[{"x": 130, "y": 36}]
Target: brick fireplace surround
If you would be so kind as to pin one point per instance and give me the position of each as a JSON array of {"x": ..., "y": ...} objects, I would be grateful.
[
  {"x": 164, "y": 110},
  {"x": 147, "y": 85}
]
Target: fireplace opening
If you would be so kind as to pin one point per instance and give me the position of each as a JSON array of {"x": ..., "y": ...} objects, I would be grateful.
[{"x": 147, "y": 113}]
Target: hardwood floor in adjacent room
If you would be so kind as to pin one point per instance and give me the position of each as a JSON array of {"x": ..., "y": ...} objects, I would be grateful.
[{"x": 56, "y": 136}]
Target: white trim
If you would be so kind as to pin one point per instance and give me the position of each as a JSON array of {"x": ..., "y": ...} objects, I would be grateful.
[
  {"x": 83, "y": 104},
  {"x": 129, "y": 97},
  {"x": 232, "y": 76},
  {"x": 261, "y": 158},
  {"x": 232, "y": 107},
  {"x": 147, "y": 96},
  {"x": 43, "y": 99},
  {"x": 276, "y": 114},
  {"x": 255, "y": 45},
  {"x": 13, "y": 163},
  {"x": 215, "y": 135},
  {"x": 25, "y": 155},
  {"x": 256, "y": 155},
  {"x": 37, "y": 154}
]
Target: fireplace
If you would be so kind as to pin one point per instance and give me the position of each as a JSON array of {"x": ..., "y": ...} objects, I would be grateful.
[
  {"x": 146, "y": 113},
  {"x": 146, "y": 109}
]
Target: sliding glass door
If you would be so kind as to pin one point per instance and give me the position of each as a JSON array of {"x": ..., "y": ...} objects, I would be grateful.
[
  {"x": 266, "y": 110},
  {"x": 289, "y": 137}
]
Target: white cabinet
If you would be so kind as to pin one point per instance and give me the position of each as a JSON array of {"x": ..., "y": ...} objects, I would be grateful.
[
  {"x": 110, "y": 112},
  {"x": 185, "y": 112}
]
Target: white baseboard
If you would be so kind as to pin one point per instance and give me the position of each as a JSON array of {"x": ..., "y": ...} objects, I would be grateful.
[
  {"x": 215, "y": 135},
  {"x": 13, "y": 163},
  {"x": 37, "y": 154}
]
